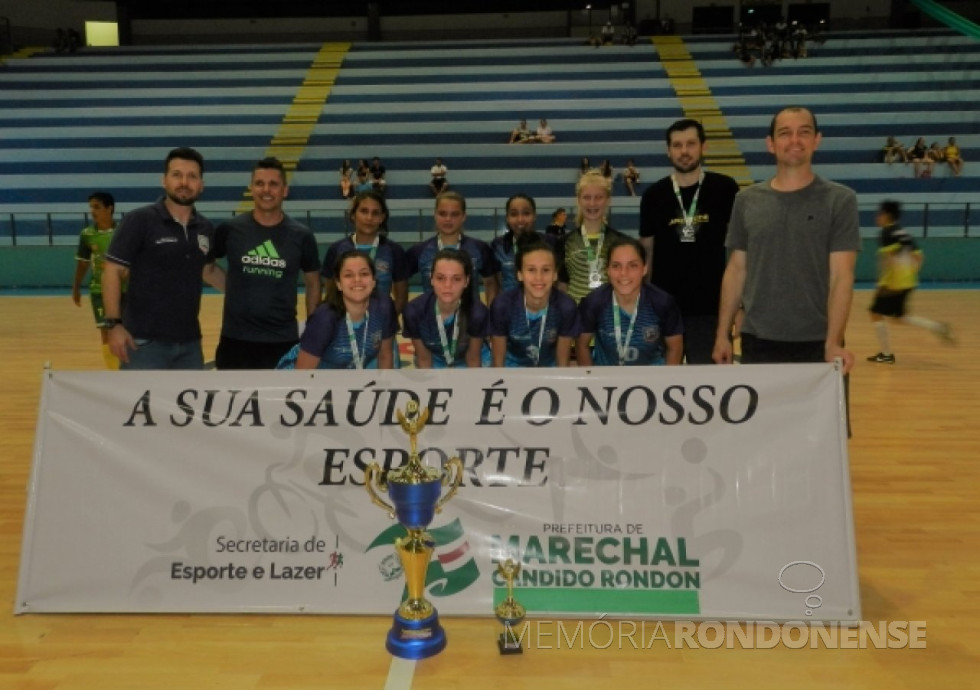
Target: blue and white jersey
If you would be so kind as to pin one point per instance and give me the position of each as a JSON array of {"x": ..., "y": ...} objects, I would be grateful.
[
  {"x": 529, "y": 334},
  {"x": 326, "y": 336},
  {"x": 657, "y": 317},
  {"x": 504, "y": 252},
  {"x": 389, "y": 261},
  {"x": 422, "y": 255},
  {"x": 420, "y": 324}
]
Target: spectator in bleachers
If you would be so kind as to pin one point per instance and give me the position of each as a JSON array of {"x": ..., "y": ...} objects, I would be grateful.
[
  {"x": 630, "y": 177},
  {"x": 607, "y": 171},
  {"x": 937, "y": 153},
  {"x": 918, "y": 153},
  {"x": 953, "y": 156},
  {"x": 557, "y": 227},
  {"x": 745, "y": 56},
  {"x": 608, "y": 33},
  {"x": 781, "y": 29},
  {"x": 769, "y": 44},
  {"x": 363, "y": 181},
  {"x": 74, "y": 40},
  {"x": 521, "y": 134},
  {"x": 438, "y": 182},
  {"x": 893, "y": 151},
  {"x": 799, "y": 37},
  {"x": 93, "y": 242},
  {"x": 378, "y": 171},
  {"x": 585, "y": 251},
  {"x": 629, "y": 34},
  {"x": 60, "y": 44},
  {"x": 544, "y": 135},
  {"x": 770, "y": 51},
  {"x": 584, "y": 166},
  {"x": 921, "y": 160},
  {"x": 346, "y": 179}
]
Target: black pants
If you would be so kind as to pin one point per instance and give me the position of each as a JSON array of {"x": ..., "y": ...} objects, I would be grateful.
[
  {"x": 699, "y": 338},
  {"x": 247, "y": 354},
  {"x": 761, "y": 351}
]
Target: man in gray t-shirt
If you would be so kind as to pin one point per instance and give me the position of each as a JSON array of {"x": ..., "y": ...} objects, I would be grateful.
[{"x": 793, "y": 242}]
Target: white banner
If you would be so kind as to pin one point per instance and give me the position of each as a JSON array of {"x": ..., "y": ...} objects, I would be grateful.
[{"x": 670, "y": 492}]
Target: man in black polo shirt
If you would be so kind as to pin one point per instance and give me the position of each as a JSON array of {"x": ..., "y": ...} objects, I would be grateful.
[{"x": 161, "y": 252}]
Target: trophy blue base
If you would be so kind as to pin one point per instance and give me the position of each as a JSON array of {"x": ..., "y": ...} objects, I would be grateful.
[{"x": 416, "y": 639}]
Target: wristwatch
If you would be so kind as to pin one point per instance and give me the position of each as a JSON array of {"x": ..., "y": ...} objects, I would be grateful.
[{"x": 108, "y": 324}]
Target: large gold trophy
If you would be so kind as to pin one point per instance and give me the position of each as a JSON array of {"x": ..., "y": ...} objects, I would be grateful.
[{"x": 414, "y": 490}]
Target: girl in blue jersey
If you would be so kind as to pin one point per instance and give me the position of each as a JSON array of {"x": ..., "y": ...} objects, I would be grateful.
[
  {"x": 448, "y": 325},
  {"x": 450, "y": 216},
  {"x": 354, "y": 329},
  {"x": 533, "y": 324},
  {"x": 521, "y": 212},
  {"x": 631, "y": 321},
  {"x": 369, "y": 213}
]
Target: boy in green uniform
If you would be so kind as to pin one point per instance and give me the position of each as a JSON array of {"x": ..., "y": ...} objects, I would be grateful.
[{"x": 93, "y": 242}]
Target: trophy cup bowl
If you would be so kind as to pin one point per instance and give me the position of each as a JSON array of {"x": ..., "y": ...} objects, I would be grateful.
[{"x": 416, "y": 496}]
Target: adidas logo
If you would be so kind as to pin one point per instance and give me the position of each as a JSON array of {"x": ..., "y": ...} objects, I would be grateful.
[{"x": 264, "y": 255}]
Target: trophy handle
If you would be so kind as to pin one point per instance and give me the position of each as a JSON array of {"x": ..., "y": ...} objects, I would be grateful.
[
  {"x": 452, "y": 479},
  {"x": 372, "y": 475}
]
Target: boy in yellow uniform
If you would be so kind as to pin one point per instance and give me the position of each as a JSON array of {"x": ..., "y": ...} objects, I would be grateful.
[{"x": 899, "y": 261}]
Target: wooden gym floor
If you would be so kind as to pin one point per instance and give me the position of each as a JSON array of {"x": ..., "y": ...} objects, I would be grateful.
[{"x": 915, "y": 468}]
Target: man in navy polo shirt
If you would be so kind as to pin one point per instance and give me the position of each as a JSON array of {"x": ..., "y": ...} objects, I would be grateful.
[{"x": 161, "y": 252}]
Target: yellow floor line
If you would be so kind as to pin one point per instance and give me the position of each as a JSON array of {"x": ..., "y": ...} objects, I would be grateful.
[
  {"x": 694, "y": 95},
  {"x": 294, "y": 132}
]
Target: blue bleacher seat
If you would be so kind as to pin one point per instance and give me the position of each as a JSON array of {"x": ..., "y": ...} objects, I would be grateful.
[{"x": 105, "y": 118}]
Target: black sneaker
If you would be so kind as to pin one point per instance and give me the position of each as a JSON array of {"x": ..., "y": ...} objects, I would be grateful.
[{"x": 882, "y": 358}]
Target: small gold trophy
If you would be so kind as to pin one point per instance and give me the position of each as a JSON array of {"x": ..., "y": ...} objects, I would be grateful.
[
  {"x": 509, "y": 612},
  {"x": 414, "y": 490}
]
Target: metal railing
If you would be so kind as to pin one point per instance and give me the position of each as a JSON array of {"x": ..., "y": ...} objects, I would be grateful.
[{"x": 412, "y": 225}]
